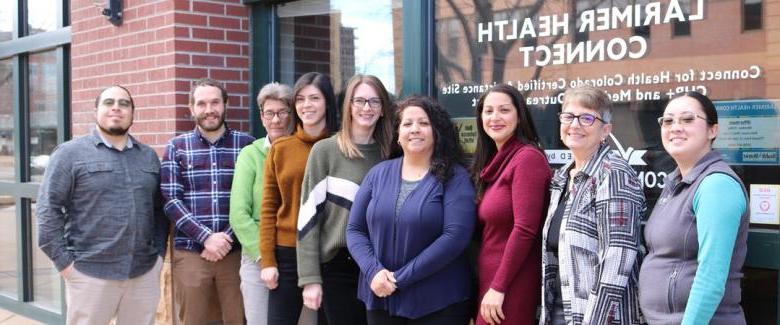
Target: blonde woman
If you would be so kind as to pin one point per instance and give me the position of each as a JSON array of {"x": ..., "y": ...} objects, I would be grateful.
[{"x": 335, "y": 169}]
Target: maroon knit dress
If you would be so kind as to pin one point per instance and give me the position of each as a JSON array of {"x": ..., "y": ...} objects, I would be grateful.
[{"x": 511, "y": 215}]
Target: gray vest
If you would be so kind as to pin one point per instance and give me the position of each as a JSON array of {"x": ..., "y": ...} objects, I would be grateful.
[{"x": 670, "y": 235}]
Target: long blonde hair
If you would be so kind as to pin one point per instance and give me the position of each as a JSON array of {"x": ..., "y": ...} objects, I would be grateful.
[{"x": 383, "y": 131}]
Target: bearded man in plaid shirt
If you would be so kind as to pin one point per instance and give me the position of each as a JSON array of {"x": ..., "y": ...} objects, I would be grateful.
[{"x": 196, "y": 175}]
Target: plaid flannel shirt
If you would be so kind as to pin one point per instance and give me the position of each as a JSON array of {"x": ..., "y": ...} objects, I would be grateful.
[{"x": 196, "y": 176}]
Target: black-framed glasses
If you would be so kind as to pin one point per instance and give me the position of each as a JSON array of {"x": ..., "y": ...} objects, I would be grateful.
[
  {"x": 686, "y": 118},
  {"x": 360, "y": 102},
  {"x": 269, "y": 115},
  {"x": 583, "y": 119}
]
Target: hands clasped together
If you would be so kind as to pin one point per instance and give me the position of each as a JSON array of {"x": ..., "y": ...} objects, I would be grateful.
[
  {"x": 383, "y": 283},
  {"x": 216, "y": 246}
]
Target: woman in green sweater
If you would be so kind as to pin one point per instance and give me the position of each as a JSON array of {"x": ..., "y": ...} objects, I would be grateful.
[
  {"x": 246, "y": 193},
  {"x": 334, "y": 171}
]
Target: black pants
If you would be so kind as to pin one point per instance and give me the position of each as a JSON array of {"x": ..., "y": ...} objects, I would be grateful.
[
  {"x": 339, "y": 286},
  {"x": 456, "y": 314},
  {"x": 285, "y": 302}
]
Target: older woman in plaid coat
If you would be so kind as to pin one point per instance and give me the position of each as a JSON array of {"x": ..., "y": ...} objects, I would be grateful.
[{"x": 591, "y": 239}]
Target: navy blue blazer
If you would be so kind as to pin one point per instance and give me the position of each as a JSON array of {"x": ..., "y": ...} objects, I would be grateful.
[{"x": 424, "y": 245}]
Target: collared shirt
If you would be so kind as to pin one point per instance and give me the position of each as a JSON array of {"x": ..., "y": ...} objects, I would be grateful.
[
  {"x": 128, "y": 144},
  {"x": 196, "y": 178},
  {"x": 100, "y": 209}
]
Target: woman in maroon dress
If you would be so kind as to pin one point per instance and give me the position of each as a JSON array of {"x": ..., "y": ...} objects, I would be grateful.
[{"x": 511, "y": 177}]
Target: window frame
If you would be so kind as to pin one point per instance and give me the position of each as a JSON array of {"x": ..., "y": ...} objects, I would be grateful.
[{"x": 18, "y": 49}]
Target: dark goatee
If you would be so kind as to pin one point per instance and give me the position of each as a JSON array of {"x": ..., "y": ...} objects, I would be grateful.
[{"x": 115, "y": 131}]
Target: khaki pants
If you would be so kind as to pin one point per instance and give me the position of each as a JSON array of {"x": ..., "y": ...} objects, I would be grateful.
[
  {"x": 96, "y": 301},
  {"x": 194, "y": 281}
]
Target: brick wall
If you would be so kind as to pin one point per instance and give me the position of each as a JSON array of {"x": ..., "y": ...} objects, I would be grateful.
[{"x": 158, "y": 50}]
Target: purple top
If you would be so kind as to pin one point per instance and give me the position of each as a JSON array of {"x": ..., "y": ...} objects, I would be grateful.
[{"x": 423, "y": 245}]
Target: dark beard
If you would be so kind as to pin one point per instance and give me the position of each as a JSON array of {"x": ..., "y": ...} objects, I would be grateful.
[
  {"x": 203, "y": 127},
  {"x": 115, "y": 131}
]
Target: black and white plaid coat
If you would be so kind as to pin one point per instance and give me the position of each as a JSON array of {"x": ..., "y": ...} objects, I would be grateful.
[{"x": 600, "y": 245}]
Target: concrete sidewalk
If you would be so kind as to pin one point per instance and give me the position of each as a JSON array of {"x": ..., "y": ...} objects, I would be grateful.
[{"x": 9, "y": 318}]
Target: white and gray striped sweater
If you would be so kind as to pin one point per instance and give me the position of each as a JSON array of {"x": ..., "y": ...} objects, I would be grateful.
[{"x": 329, "y": 186}]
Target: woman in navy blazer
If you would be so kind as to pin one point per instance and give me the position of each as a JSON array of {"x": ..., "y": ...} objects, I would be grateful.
[{"x": 411, "y": 221}]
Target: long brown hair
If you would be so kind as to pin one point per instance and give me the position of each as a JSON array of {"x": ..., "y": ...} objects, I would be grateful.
[
  {"x": 383, "y": 131},
  {"x": 525, "y": 132}
]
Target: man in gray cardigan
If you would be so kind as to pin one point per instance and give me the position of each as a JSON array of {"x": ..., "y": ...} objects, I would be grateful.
[{"x": 100, "y": 218}]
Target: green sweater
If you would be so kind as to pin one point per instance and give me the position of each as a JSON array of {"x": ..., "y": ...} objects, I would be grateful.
[
  {"x": 329, "y": 186},
  {"x": 246, "y": 194}
]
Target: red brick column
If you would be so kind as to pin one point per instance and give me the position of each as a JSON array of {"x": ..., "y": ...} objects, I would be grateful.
[{"x": 158, "y": 50}]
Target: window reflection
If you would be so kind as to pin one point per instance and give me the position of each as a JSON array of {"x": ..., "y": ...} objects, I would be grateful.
[
  {"x": 8, "y": 247},
  {"x": 683, "y": 28},
  {"x": 41, "y": 16},
  {"x": 752, "y": 12},
  {"x": 341, "y": 38},
  {"x": 466, "y": 66},
  {"x": 43, "y": 111},
  {"x": 47, "y": 285},
  {"x": 7, "y": 170},
  {"x": 7, "y": 15}
]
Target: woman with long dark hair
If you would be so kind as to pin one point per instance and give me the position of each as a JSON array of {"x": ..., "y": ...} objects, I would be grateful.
[
  {"x": 511, "y": 176},
  {"x": 315, "y": 119},
  {"x": 411, "y": 221}
]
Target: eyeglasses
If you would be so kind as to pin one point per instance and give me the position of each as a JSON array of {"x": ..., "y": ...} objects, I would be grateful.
[
  {"x": 583, "y": 119},
  {"x": 360, "y": 102},
  {"x": 685, "y": 118},
  {"x": 269, "y": 115}
]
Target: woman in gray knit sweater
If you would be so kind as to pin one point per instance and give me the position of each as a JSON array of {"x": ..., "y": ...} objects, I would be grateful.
[{"x": 334, "y": 171}]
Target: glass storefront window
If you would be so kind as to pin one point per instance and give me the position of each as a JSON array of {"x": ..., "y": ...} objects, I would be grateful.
[
  {"x": 538, "y": 50},
  {"x": 41, "y": 16},
  {"x": 7, "y": 164},
  {"x": 7, "y": 20},
  {"x": 43, "y": 111},
  {"x": 9, "y": 247},
  {"x": 47, "y": 287},
  {"x": 340, "y": 38}
]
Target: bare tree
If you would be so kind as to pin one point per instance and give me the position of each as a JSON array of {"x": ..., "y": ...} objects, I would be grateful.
[{"x": 483, "y": 11}]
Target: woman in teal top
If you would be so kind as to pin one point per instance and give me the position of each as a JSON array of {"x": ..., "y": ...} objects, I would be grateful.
[
  {"x": 697, "y": 234},
  {"x": 246, "y": 194}
]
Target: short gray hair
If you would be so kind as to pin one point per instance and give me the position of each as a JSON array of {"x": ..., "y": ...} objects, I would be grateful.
[
  {"x": 276, "y": 91},
  {"x": 592, "y": 98}
]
